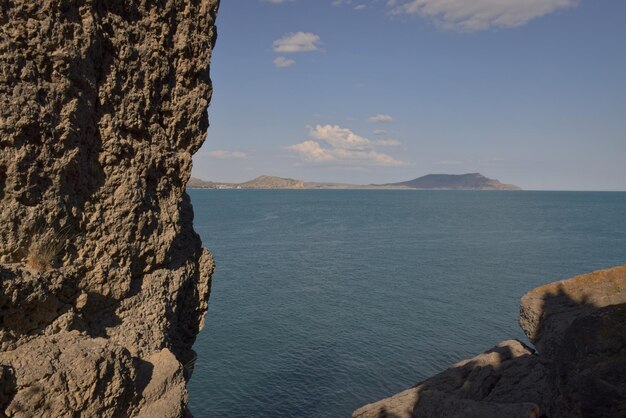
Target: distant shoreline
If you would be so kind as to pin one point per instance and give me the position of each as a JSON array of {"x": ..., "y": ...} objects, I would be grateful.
[
  {"x": 421, "y": 190},
  {"x": 382, "y": 189},
  {"x": 470, "y": 181}
]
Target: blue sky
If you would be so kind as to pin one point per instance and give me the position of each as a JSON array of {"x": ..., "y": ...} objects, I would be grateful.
[{"x": 530, "y": 92}]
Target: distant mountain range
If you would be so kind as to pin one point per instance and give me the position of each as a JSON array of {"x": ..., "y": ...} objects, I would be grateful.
[{"x": 471, "y": 181}]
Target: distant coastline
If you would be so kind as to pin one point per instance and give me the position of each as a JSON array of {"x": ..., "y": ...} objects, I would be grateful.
[{"x": 470, "y": 181}]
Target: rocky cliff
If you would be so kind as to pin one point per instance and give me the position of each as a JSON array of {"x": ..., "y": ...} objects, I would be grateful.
[
  {"x": 103, "y": 281},
  {"x": 578, "y": 327}
]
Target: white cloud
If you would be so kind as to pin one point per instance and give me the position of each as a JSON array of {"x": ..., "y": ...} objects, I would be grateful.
[
  {"x": 473, "y": 15},
  {"x": 367, "y": 158},
  {"x": 379, "y": 132},
  {"x": 360, "y": 7},
  {"x": 282, "y": 62},
  {"x": 380, "y": 119},
  {"x": 312, "y": 151},
  {"x": 339, "y": 137},
  {"x": 344, "y": 147},
  {"x": 297, "y": 42},
  {"x": 225, "y": 155}
]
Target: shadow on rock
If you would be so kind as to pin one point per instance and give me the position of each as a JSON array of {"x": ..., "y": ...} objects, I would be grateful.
[
  {"x": 8, "y": 386},
  {"x": 579, "y": 329},
  {"x": 98, "y": 313}
]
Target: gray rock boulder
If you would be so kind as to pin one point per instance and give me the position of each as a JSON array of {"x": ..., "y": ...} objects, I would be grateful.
[
  {"x": 548, "y": 311},
  {"x": 587, "y": 377},
  {"x": 579, "y": 328},
  {"x": 504, "y": 381}
]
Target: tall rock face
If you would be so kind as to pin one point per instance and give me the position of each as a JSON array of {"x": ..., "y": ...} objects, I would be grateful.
[{"x": 103, "y": 281}]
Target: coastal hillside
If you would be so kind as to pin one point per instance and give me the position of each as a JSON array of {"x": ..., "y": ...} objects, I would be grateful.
[
  {"x": 261, "y": 183},
  {"x": 471, "y": 181},
  {"x": 196, "y": 183},
  {"x": 271, "y": 182}
]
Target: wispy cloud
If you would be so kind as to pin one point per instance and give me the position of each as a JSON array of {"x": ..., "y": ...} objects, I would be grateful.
[
  {"x": 282, "y": 62},
  {"x": 473, "y": 15},
  {"x": 332, "y": 144},
  {"x": 380, "y": 119},
  {"x": 226, "y": 155},
  {"x": 388, "y": 143},
  {"x": 297, "y": 42}
]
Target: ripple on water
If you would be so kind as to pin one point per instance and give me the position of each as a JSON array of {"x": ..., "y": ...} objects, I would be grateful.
[{"x": 326, "y": 300}]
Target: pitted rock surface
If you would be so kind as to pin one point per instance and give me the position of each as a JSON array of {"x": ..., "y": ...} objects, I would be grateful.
[
  {"x": 103, "y": 282},
  {"x": 548, "y": 311}
]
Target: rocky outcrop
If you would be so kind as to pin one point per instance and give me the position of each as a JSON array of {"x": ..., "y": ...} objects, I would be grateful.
[
  {"x": 579, "y": 370},
  {"x": 103, "y": 282},
  {"x": 504, "y": 381},
  {"x": 579, "y": 328},
  {"x": 547, "y": 312}
]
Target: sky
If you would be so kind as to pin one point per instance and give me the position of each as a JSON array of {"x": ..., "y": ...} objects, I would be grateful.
[{"x": 530, "y": 92}]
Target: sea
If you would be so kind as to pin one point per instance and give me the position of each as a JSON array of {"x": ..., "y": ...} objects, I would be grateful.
[{"x": 325, "y": 300}]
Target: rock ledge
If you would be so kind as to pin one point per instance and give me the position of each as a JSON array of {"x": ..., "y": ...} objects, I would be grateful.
[{"x": 579, "y": 329}]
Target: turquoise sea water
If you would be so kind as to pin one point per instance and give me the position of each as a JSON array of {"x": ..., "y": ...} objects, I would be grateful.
[{"x": 326, "y": 300}]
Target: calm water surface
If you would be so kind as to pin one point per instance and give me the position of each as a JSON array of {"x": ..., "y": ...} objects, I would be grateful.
[{"x": 326, "y": 300}]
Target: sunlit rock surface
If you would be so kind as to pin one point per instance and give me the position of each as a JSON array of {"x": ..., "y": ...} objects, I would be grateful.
[{"x": 103, "y": 281}]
